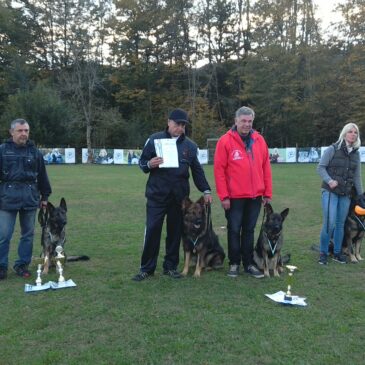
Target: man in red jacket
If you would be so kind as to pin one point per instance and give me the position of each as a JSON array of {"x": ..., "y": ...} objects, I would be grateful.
[{"x": 243, "y": 181}]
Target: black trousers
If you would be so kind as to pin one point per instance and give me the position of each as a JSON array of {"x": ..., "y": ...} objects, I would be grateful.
[
  {"x": 241, "y": 222},
  {"x": 155, "y": 216}
]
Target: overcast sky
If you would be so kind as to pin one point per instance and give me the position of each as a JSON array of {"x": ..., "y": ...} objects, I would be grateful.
[{"x": 325, "y": 13}]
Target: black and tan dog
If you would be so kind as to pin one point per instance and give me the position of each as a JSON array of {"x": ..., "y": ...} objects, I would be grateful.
[
  {"x": 199, "y": 239},
  {"x": 53, "y": 221},
  {"x": 267, "y": 253},
  {"x": 354, "y": 229}
]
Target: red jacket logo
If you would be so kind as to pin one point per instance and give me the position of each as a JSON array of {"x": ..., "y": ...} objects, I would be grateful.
[{"x": 237, "y": 155}]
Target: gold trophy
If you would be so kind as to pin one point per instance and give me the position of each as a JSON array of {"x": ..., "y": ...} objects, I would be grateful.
[{"x": 288, "y": 296}]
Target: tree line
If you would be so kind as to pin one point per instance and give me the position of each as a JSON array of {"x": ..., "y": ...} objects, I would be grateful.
[{"x": 103, "y": 73}]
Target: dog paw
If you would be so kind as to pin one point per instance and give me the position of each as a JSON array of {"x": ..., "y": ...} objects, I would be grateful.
[
  {"x": 184, "y": 273},
  {"x": 276, "y": 274},
  {"x": 197, "y": 274},
  {"x": 353, "y": 259},
  {"x": 359, "y": 258}
]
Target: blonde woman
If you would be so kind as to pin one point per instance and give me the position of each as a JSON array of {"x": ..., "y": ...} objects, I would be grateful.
[{"x": 340, "y": 170}]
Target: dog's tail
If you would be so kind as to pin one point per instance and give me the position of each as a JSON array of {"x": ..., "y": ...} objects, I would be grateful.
[{"x": 78, "y": 258}]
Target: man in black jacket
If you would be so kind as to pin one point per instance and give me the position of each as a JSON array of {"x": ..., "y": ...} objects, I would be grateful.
[
  {"x": 24, "y": 187},
  {"x": 166, "y": 188}
]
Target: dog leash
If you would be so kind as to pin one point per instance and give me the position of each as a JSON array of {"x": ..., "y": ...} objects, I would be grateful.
[
  {"x": 359, "y": 221},
  {"x": 262, "y": 222}
]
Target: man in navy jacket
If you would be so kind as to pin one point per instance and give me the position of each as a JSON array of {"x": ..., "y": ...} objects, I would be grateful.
[
  {"x": 165, "y": 190},
  {"x": 24, "y": 187}
]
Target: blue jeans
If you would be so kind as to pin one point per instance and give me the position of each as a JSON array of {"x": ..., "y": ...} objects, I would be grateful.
[
  {"x": 241, "y": 222},
  {"x": 334, "y": 209},
  {"x": 7, "y": 223}
]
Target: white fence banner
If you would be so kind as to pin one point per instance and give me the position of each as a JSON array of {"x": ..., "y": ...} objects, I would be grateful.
[
  {"x": 85, "y": 155},
  {"x": 118, "y": 157},
  {"x": 203, "y": 156},
  {"x": 362, "y": 154},
  {"x": 291, "y": 155},
  {"x": 70, "y": 155}
]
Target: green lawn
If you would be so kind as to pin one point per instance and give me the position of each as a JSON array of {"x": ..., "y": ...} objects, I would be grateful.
[{"x": 109, "y": 319}]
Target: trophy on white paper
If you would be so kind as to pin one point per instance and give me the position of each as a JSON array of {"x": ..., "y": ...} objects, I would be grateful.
[
  {"x": 60, "y": 257},
  {"x": 288, "y": 295},
  {"x": 59, "y": 253},
  {"x": 39, "y": 273},
  {"x": 61, "y": 278}
]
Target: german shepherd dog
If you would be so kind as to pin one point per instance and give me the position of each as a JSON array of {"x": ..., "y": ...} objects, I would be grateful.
[
  {"x": 354, "y": 229},
  {"x": 53, "y": 222},
  {"x": 267, "y": 253},
  {"x": 199, "y": 239}
]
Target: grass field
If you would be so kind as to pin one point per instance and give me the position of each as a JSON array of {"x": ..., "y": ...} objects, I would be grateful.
[{"x": 109, "y": 319}]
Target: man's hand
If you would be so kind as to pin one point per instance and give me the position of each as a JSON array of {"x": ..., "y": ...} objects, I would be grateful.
[
  {"x": 43, "y": 204},
  {"x": 155, "y": 162},
  {"x": 226, "y": 204},
  {"x": 265, "y": 200},
  {"x": 208, "y": 198}
]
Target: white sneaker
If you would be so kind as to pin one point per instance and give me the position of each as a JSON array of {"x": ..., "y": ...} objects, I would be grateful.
[{"x": 234, "y": 270}]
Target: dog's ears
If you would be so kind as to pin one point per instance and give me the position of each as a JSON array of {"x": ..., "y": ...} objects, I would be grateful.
[
  {"x": 63, "y": 204},
  {"x": 284, "y": 213},
  {"x": 268, "y": 209},
  {"x": 201, "y": 201},
  {"x": 185, "y": 204},
  {"x": 50, "y": 207}
]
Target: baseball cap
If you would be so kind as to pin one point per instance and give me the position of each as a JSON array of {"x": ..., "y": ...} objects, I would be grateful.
[{"x": 179, "y": 116}]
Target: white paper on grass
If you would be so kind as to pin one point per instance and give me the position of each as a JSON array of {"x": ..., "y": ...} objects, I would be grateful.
[
  {"x": 166, "y": 148},
  {"x": 50, "y": 285},
  {"x": 279, "y": 298}
]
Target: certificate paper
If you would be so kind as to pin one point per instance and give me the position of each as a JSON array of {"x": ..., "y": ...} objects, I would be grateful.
[
  {"x": 50, "y": 285},
  {"x": 279, "y": 297},
  {"x": 166, "y": 148}
]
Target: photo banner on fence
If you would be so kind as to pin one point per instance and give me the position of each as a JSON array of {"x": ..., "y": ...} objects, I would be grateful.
[
  {"x": 362, "y": 154},
  {"x": 131, "y": 157},
  {"x": 291, "y": 155},
  {"x": 277, "y": 155},
  {"x": 53, "y": 155},
  {"x": 118, "y": 157},
  {"x": 282, "y": 155},
  {"x": 103, "y": 156},
  {"x": 70, "y": 155},
  {"x": 203, "y": 156},
  {"x": 309, "y": 154},
  {"x": 109, "y": 156}
]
